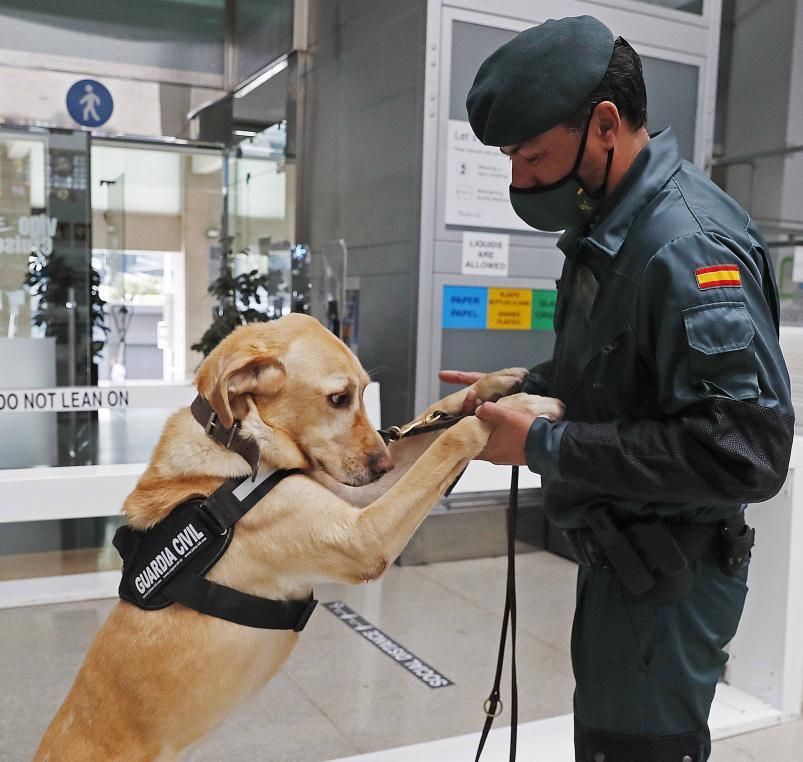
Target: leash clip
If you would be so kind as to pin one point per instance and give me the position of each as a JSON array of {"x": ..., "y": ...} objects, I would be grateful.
[
  {"x": 395, "y": 433},
  {"x": 493, "y": 707}
]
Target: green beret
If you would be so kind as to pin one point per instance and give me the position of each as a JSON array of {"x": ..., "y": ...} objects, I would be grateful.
[{"x": 542, "y": 77}]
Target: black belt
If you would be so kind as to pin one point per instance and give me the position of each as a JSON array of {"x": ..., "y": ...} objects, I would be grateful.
[
  {"x": 652, "y": 558},
  {"x": 698, "y": 541}
]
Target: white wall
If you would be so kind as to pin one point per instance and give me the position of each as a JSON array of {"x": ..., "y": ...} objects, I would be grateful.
[{"x": 764, "y": 111}]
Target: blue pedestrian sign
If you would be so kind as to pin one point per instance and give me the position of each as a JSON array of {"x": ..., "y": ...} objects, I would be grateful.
[{"x": 89, "y": 103}]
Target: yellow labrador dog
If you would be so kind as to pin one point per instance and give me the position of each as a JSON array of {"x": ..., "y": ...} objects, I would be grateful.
[{"x": 154, "y": 682}]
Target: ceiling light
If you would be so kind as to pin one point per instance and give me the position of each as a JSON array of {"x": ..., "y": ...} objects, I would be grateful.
[{"x": 280, "y": 64}]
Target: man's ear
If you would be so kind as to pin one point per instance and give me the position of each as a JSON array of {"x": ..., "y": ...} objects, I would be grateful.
[
  {"x": 608, "y": 123},
  {"x": 248, "y": 373}
]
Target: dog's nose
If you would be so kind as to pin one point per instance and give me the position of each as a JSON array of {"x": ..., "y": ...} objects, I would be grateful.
[{"x": 381, "y": 462}]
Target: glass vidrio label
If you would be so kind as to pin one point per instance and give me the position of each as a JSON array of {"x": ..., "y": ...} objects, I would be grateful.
[{"x": 35, "y": 232}]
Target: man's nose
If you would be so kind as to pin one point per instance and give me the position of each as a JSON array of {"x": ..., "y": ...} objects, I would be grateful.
[{"x": 380, "y": 462}]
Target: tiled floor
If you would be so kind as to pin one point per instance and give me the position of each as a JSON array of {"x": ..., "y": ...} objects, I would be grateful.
[{"x": 338, "y": 695}]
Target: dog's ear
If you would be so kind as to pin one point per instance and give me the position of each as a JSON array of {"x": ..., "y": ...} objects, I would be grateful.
[{"x": 252, "y": 373}]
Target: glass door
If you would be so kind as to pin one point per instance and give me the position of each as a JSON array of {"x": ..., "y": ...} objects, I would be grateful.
[
  {"x": 38, "y": 293},
  {"x": 260, "y": 226},
  {"x": 85, "y": 232},
  {"x": 48, "y": 312}
]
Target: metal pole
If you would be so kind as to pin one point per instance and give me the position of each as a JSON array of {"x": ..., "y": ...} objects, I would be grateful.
[
  {"x": 224, "y": 212},
  {"x": 72, "y": 447}
]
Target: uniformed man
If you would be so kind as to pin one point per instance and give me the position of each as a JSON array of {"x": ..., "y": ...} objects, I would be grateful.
[{"x": 677, "y": 398}]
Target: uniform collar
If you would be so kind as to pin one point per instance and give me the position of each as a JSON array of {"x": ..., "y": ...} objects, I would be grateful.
[{"x": 650, "y": 171}]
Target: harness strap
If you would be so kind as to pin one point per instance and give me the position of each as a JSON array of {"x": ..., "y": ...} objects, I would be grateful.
[
  {"x": 230, "y": 438},
  {"x": 154, "y": 576},
  {"x": 224, "y": 602},
  {"x": 235, "y": 497}
]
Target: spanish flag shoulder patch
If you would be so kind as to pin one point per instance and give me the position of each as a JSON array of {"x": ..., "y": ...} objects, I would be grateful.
[{"x": 718, "y": 276}]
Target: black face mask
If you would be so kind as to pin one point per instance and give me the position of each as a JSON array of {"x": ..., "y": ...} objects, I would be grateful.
[{"x": 565, "y": 203}]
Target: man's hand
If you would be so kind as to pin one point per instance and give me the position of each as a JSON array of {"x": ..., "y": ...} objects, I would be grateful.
[
  {"x": 512, "y": 417},
  {"x": 467, "y": 378},
  {"x": 464, "y": 377},
  {"x": 484, "y": 387}
]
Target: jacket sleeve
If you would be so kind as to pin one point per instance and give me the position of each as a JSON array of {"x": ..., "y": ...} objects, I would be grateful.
[
  {"x": 726, "y": 425},
  {"x": 537, "y": 380}
]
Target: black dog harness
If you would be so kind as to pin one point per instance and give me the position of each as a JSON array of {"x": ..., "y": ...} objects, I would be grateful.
[{"x": 168, "y": 563}]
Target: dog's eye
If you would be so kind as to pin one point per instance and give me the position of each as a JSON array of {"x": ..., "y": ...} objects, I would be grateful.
[{"x": 341, "y": 399}]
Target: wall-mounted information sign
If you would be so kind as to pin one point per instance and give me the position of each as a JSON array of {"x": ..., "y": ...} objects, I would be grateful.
[
  {"x": 498, "y": 309},
  {"x": 485, "y": 254},
  {"x": 510, "y": 309},
  {"x": 464, "y": 307},
  {"x": 477, "y": 182},
  {"x": 544, "y": 308}
]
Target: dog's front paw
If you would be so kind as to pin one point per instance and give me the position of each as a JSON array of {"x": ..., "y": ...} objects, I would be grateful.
[
  {"x": 535, "y": 404},
  {"x": 498, "y": 384},
  {"x": 468, "y": 436}
]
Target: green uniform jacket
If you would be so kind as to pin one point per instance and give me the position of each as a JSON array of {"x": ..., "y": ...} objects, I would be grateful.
[{"x": 677, "y": 396}]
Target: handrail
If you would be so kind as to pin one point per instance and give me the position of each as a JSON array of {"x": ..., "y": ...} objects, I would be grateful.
[{"x": 745, "y": 158}]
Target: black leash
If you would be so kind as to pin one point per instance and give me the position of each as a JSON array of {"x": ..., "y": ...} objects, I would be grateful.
[{"x": 493, "y": 704}]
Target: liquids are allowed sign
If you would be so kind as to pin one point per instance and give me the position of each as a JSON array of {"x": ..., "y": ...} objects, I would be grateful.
[{"x": 485, "y": 254}]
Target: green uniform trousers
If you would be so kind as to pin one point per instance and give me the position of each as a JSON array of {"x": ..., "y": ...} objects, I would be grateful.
[{"x": 646, "y": 672}]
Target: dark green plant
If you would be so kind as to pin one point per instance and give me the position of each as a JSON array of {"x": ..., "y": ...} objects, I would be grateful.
[
  {"x": 237, "y": 297},
  {"x": 97, "y": 315},
  {"x": 50, "y": 277}
]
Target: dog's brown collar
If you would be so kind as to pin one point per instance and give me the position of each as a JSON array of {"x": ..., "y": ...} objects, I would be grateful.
[{"x": 230, "y": 438}]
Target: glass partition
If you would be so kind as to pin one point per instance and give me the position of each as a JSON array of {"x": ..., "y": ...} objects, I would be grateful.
[
  {"x": 107, "y": 253},
  {"x": 260, "y": 223},
  {"x": 157, "y": 213},
  {"x": 31, "y": 549},
  {"x": 47, "y": 302},
  {"x": 31, "y": 311},
  {"x": 257, "y": 193},
  {"x": 105, "y": 265}
]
